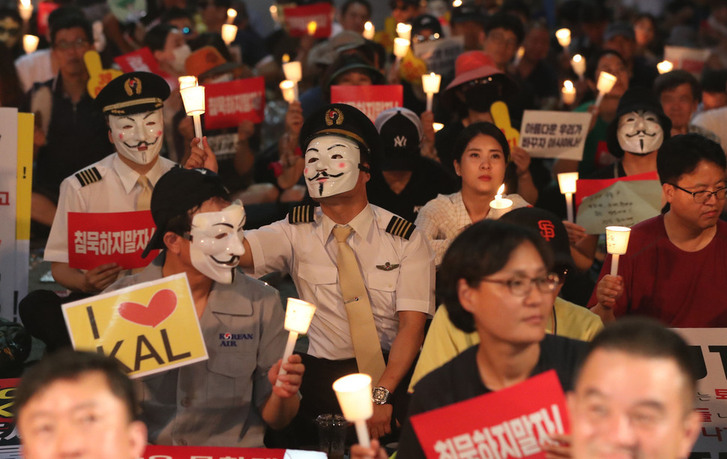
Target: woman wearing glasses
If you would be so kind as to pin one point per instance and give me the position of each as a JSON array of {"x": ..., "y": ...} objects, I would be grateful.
[{"x": 497, "y": 280}]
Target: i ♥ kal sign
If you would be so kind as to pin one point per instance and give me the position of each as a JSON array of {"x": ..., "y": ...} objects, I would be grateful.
[{"x": 148, "y": 327}]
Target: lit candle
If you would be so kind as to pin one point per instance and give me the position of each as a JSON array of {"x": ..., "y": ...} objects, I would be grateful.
[
  {"x": 604, "y": 85},
  {"x": 401, "y": 47},
  {"x": 312, "y": 26},
  {"x": 567, "y": 183},
  {"x": 430, "y": 84},
  {"x": 187, "y": 81},
  {"x": 298, "y": 314},
  {"x": 293, "y": 72},
  {"x": 519, "y": 55},
  {"x": 456, "y": 3},
  {"x": 617, "y": 241},
  {"x": 229, "y": 32},
  {"x": 403, "y": 31},
  {"x": 25, "y": 8},
  {"x": 437, "y": 126},
  {"x": 563, "y": 36},
  {"x": 664, "y": 67},
  {"x": 569, "y": 92},
  {"x": 288, "y": 88},
  {"x": 369, "y": 30},
  {"x": 354, "y": 395},
  {"x": 578, "y": 63},
  {"x": 231, "y": 15},
  {"x": 274, "y": 13},
  {"x": 30, "y": 43},
  {"x": 193, "y": 99},
  {"x": 500, "y": 206}
]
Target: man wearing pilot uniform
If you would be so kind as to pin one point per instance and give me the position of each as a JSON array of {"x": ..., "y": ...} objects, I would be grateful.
[{"x": 369, "y": 272}]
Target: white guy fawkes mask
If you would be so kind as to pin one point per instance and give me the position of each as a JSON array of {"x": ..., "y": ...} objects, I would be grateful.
[
  {"x": 331, "y": 165},
  {"x": 138, "y": 137},
  {"x": 216, "y": 245},
  {"x": 639, "y": 132}
]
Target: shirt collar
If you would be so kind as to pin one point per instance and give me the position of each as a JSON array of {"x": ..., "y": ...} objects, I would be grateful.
[
  {"x": 129, "y": 176},
  {"x": 360, "y": 223}
]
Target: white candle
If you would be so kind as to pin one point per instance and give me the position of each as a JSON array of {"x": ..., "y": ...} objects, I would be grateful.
[
  {"x": 293, "y": 71},
  {"x": 569, "y": 92},
  {"x": 567, "y": 183},
  {"x": 229, "y": 32},
  {"x": 401, "y": 47},
  {"x": 25, "y": 8},
  {"x": 563, "y": 36},
  {"x": 187, "y": 81},
  {"x": 231, "y": 15},
  {"x": 312, "y": 27},
  {"x": 437, "y": 126},
  {"x": 403, "y": 31},
  {"x": 664, "y": 67},
  {"x": 354, "y": 396},
  {"x": 430, "y": 84},
  {"x": 193, "y": 99},
  {"x": 30, "y": 43},
  {"x": 298, "y": 314},
  {"x": 369, "y": 31},
  {"x": 456, "y": 3},
  {"x": 617, "y": 241},
  {"x": 500, "y": 206},
  {"x": 578, "y": 63},
  {"x": 604, "y": 85},
  {"x": 288, "y": 88}
]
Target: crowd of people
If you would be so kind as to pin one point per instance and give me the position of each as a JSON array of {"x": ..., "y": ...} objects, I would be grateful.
[{"x": 384, "y": 224}]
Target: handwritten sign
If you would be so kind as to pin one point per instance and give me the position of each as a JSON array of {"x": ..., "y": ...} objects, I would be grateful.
[
  {"x": 109, "y": 237},
  {"x": 625, "y": 203},
  {"x": 371, "y": 100},
  {"x": 140, "y": 60},
  {"x": 512, "y": 422},
  {"x": 298, "y": 17},
  {"x": 551, "y": 134},
  {"x": 690, "y": 59},
  {"x": 149, "y": 327},
  {"x": 588, "y": 187},
  {"x": 439, "y": 55},
  {"x": 231, "y": 102}
]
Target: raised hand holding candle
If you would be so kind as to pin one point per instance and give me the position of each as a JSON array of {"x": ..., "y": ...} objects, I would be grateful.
[
  {"x": 354, "y": 396},
  {"x": 229, "y": 32},
  {"x": 403, "y": 31},
  {"x": 500, "y": 206},
  {"x": 430, "y": 84},
  {"x": 298, "y": 314},
  {"x": 569, "y": 92},
  {"x": 578, "y": 64},
  {"x": 664, "y": 67},
  {"x": 193, "y": 99},
  {"x": 563, "y": 36},
  {"x": 604, "y": 85},
  {"x": 369, "y": 30},
  {"x": 617, "y": 241},
  {"x": 30, "y": 43},
  {"x": 25, "y": 8},
  {"x": 567, "y": 183}
]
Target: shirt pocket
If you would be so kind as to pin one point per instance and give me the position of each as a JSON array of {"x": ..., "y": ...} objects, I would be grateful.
[
  {"x": 229, "y": 378},
  {"x": 384, "y": 281},
  {"x": 318, "y": 276}
]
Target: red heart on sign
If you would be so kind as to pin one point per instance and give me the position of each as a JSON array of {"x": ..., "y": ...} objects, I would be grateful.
[{"x": 161, "y": 306}]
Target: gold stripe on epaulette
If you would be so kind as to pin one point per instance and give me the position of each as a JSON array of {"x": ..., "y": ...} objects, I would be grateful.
[
  {"x": 301, "y": 214},
  {"x": 88, "y": 176},
  {"x": 400, "y": 227}
]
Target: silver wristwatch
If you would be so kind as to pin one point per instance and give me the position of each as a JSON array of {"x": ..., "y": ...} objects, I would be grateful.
[{"x": 380, "y": 395}]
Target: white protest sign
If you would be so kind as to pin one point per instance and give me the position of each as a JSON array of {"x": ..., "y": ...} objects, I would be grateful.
[
  {"x": 551, "y": 134},
  {"x": 439, "y": 55},
  {"x": 8, "y": 200},
  {"x": 689, "y": 59},
  {"x": 625, "y": 203},
  {"x": 709, "y": 354}
]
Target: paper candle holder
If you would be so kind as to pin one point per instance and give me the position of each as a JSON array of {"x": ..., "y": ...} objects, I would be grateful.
[
  {"x": 617, "y": 239},
  {"x": 606, "y": 81},
  {"x": 293, "y": 71},
  {"x": 187, "y": 81},
  {"x": 30, "y": 43},
  {"x": 369, "y": 31},
  {"x": 298, "y": 314},
  {"x": 664, "y": 67},
  {"x": 403, "y": 31},
  {"x": 567, "y": 182},
  {"x": 193, "y": 99},
  {"x": 578, "y": 64},
  {"x": 287, "y": 87},
  {"x": 568, "y": 92},
  {"x": 354, "y": 395},
  {"x": 563, "y": 36},
  {"x": 401, "y": 47},
  {"x": 229, "y": 33}
]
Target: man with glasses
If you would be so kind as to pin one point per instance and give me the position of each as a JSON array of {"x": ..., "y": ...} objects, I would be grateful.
[
  {"x": 503, "y": 35},
  {"x": 675, "y": 267}
]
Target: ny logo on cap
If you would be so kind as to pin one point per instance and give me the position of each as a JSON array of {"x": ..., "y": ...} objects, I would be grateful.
[
  {"x": 400, "y": 141},
  {"x": 547, "y": 229},
  {"x": 132, "y": 86}
]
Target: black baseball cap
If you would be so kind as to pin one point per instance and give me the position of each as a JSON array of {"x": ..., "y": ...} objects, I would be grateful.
[
  {"x": 550, "y": 228},
  {"x": 176, "y": 193}
]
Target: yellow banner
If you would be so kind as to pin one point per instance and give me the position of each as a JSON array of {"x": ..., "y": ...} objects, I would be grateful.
[
  {"x": 25, "y": 175},
  {"x": 149, "y": 327}
]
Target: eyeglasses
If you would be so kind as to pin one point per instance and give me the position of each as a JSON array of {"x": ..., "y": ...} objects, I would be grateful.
[
  {"x": 700, "y": 197},
  {"x": 12, "y": 31},
  {"x": 422, "y": 38},
  {"x": 521, "y": 286},
  {"x": 76, "y": 44},
  {"x": 500, "y": 39}
]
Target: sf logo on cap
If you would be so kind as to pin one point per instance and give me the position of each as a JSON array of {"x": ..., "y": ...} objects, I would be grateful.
[
  {"x": 334, "y": 116},
  {"x": 547, "y": 229}
]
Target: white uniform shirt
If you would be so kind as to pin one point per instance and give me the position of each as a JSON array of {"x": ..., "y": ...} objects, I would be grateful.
[
  {"x": 116, "y": 191},
  {"x": 398, "y": 273},
  {"x": 444, "y": 217}
]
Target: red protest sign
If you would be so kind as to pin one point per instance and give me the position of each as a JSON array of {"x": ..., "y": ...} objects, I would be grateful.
[
  {"x": 44, "y": 10},
  {"x": 511, "y": 422},
  {"x": 297, "y": 19},
  {"x": 371, "y": 100},
  {"x": 110, "y": 237},
  {"x": 227, "y": 104},
  {"x": 587, "y": 187},
  {"x": 140, "y": 60},
  {"x": 210, "y": 452}
]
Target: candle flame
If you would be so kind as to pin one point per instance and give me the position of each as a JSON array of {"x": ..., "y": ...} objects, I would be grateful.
[
  {"x": 25, "y": 3},
  {"x": 501, "y": 190},
  {"x": 286, "y": 58},
  {"x": 312, "y": 26},
  {"x": 577, "y": 58},
  {"x": 568, "y": 85},
  {"x": 456, "y": 3},
  {"x": 664, "y": 67},
  {"x": 437, "y": 126},
  {"x": 231, "y": 13}
]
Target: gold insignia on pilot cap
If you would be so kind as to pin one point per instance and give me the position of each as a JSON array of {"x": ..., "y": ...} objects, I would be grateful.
[
  {"x": 132, "y": 86},
  {"x": 334, "y": 116}
]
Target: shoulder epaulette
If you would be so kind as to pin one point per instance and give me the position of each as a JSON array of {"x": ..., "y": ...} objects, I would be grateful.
[
  {"x": 400, "y": 227},
  {"x": 301, "y": 214},
  {"x": 88, "y": 176}
]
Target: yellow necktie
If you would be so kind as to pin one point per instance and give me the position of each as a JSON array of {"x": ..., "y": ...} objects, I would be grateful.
[
  {"x": 365, "y": 339},
  {"x": 143, "y": 202}
]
